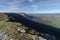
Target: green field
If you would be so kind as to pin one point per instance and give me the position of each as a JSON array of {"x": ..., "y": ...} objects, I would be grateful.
[{"x": 54, "y": 20}]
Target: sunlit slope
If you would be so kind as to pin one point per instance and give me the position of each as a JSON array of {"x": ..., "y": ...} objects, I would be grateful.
[
  {"x": 17, "y": 30},
  {"x": 3, "y": 17},
  {"x": 49, "y": 19},
  {"x": 14, "y": 30},
  {"x": 54, "y": 20}
]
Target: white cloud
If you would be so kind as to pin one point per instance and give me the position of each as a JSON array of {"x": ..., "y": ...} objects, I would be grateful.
[
  {"x": 14, "y": 5},
  {"x": 48, "y": 3},
  {"x": 18, "y": 5},
  {"x": 35, "y": 7},
  {"x": 31, "y": 0}
]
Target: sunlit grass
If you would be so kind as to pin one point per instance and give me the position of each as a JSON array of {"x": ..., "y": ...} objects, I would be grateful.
[
  {"x": 3, "y": 17},
  {"x": 55, "y": 24},
  {"x": 11, "y": 27}
]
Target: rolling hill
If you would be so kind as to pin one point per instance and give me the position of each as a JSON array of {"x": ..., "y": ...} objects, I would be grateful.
[
  {"x": 12, "y": 30},
  {"x": 49, "y": 19},
  {"x": 22, "y": 26}
]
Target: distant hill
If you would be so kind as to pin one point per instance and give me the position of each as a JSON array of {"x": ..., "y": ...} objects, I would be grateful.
[
  {"x": 36, "y": 19},
  {"x": 52, "y": 19},
  {"x": 40, "y": 20}
]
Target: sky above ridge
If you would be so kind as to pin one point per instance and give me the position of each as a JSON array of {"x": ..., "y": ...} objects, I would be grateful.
[{"x": 30, "y": 6}]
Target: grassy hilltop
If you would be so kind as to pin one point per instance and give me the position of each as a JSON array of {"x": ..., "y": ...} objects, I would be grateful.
[
  {"x": 15, "y": 31},
  {"x": 10, "y": 29}
]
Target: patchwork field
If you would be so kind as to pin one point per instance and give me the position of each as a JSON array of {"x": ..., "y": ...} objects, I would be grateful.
[{"x": 49, "y": 19}]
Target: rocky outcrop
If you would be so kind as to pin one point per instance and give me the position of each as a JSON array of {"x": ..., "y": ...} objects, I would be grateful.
[{"x": 17, "y": 31}]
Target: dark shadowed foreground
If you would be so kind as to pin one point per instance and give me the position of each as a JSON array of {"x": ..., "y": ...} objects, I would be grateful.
[{"x": 36, "y": 26}]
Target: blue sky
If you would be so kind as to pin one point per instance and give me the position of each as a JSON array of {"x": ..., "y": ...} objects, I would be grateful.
[{"x": 30, "y": 6}]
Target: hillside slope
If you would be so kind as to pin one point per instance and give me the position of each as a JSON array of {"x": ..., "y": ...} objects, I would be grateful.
[
  {"x": 44, "y": 29},
  {"x": 12, "y": 30}
]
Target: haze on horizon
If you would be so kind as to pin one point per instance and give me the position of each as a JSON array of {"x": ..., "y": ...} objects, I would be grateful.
[{"x": 30, "y": 6}]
